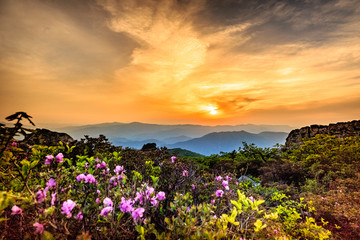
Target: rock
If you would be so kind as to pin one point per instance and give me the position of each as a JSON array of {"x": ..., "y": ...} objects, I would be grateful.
[
  {"x": 245, "y": 178},
  {"x": 340, "y": 129}
]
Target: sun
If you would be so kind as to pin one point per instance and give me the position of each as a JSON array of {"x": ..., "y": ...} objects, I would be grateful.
[{"x": 211, "y": 109}]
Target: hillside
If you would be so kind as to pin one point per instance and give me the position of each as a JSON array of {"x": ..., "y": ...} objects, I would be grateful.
[{"x": 215, "y": 143}]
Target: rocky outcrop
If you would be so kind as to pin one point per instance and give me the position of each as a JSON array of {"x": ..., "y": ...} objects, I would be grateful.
[
  {"x": 47, "y": 137},
  {"x": 340, "y": 129}
]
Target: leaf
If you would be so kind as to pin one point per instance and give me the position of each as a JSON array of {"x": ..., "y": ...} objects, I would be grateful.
[{"x": 46, "y": 236}]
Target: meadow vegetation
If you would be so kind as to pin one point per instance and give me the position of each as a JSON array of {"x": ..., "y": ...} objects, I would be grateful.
[{"x": 93, "y": 190}]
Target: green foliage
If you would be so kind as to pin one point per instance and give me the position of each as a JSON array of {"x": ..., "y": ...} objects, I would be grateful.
[{"x": 310, "y": 192}]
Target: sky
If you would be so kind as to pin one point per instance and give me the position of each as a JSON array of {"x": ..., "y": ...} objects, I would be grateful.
[{"x": 209, "y": 62}]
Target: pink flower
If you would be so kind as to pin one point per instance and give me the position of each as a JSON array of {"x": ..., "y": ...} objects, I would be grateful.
[
  {"x": 80, "y": 177},
  {"x": 322, "y": 198},
  {"x": 59, "y": 157},
  {"x": 228, "y": 178},
  {"x": 275, "y": 231},
  {"x": 185, "y": 173},
  {"x": 87, "y": 165},
  {"x": 218, "y": 178},
  {"x": 225, "y": 183},
  {"x": 214, "y": 217},
  {"x": 68, "y": 207},
  {"x": 90, "y": 179},
  {"x": 98, "y": 191},
  {"x": 219, "y": 193},
  {"x": 138, "y": 213},
  {"x": 193, "y": 186},
  {"x": 48, "y": 159},
  {"x": 107, "y": 202},
  {"x": 139, "y": 196},
  {"x": 236, "y": 183},
  {"x": 40, "y": 196},
  {"x": 51, "y": 183},
  {"x": 212, "y": 201},
  {"x": 97, "y": 160},
  {"x": 79, "y": 216},
  {"x": 205, "y": 185},
  {"x": 39, "y": 227},
  {"x": 251, "y": 199},
  {"x": 173, "y": 159},
  {"x": 98, "y": 165},
  {"x": 103, "y": 164},
  {"x": 14, "y": 144},
  {"x": 160, "y": 196},
  {"x": 53, "y": 199},
  {"x": 105, "y": 211},
  {"x": 227, "y": 188},
  {"x": 149, "y": 190},
  {"x": 118, "y": 169},
  {"x": 16, "y": 210},
  {"x": 153, "y": 201},
  {"x": 126, "y": 205},
  {"x": 97, "y": 200}
]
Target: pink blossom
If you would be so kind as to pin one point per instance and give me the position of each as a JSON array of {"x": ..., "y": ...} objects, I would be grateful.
[
  {"x": 160, "y": 196},
  {"x": 68, "y": 207},
  {"x": 97, "y": 200},
  {"x": 97, "y": 160},
  {"x": 251, "y": 199},
  {"x": 173, "y": 159},
  {"x": 90, "y": 179},
  {"x": 40, "y": 196},
  {"x": 212, "y": 201},
  {"x": 103, "y": 164},
  {"x": 228, "y": 178},
  {"x": 48, "y": 159},
  {"x": 275, "y": 231},
  {"x": 214, "y": 217},
  {"x": 219, "y": 193},
  {"x": 153, "y": 201},
  {"x": 53, "y": 199},
  {"x": 149, "y": 190},
  {"x": 59, "y": 157},
  {"x": 185, "y": 173},
  {"x": 16, "y": 210},
  {"x": 138, "y": 213},
  {"x": 105, "y": 211},
  {"x": 139, "y": 196},
  {"x": 236, "y": 183},
  {"x": 51, "y": 183},
  {"x": 118, "y": 169},
  {"x": 205, "y": 185},
  {"x": 225, "y": 183},
  {"x": 79, "y": 216},
  {"x": 98, "y": 191},
  {"x": 218, "y": 178},
  {"x": 126, "y": 205},
  {"x": 107, "y": 202},
  {"x": 39, "y": 227},
  {"x": 98, "y": 165},
  {"x": 87, "y": 165},
  {"x": 14, "y": 144},
  {"x": 80, "y": 177},
  {"x": 193, "y": 186},
  {"x": 227, "y": 188}
]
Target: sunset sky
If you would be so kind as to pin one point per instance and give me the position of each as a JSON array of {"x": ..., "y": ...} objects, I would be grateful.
[{"x": 181, "y": 61}]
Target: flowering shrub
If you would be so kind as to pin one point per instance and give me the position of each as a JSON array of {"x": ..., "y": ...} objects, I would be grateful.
[{"x": 59, "y": 192}]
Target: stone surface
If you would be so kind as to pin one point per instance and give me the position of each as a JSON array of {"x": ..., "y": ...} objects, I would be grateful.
[{"x": 340, "y": 129}]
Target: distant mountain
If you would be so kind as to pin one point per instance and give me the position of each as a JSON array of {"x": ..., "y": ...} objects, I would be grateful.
[
  {"x": 183, "y": 153},
  {"x": 137, "y": 131},
  {"x": 217, "y": 142}
]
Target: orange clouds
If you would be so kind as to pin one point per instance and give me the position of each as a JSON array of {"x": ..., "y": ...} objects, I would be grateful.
[{"x": 218, "y": 62}]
